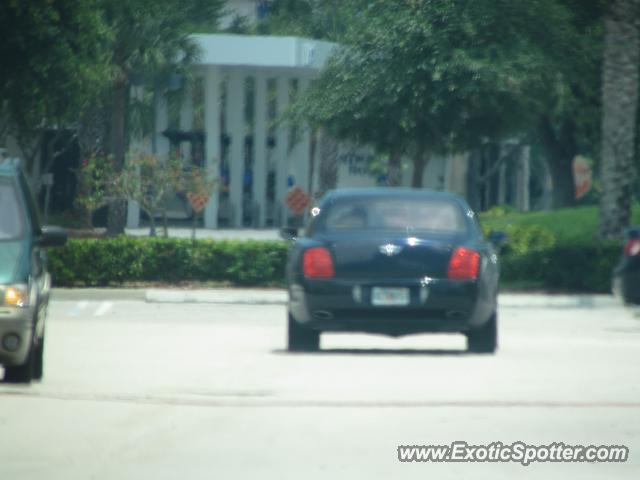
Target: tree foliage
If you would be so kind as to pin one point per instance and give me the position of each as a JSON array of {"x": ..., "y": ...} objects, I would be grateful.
[
  {"x": 148, "y": 40},
  {"x": 96, "y": 184},
  {"x": 53, "y": 65},
  {"x": 151, "y": 36},
  {"x": 321, "y": 19},
  {"x": 428, "y": 77},
  {"x": 451, "y": 74},
  {"x": 568, "y": 122}
]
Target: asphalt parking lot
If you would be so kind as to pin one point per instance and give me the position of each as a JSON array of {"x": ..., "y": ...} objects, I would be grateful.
[{"x": 139, "y": 385}]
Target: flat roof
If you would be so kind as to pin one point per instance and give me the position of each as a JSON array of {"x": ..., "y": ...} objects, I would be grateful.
[{"x": 262, "y": 51}]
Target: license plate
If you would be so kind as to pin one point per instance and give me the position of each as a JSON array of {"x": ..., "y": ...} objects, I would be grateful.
[{"x": 381, "y": 296}]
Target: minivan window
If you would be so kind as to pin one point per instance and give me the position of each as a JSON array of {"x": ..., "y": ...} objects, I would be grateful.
[{"x": 11, "y": 218}]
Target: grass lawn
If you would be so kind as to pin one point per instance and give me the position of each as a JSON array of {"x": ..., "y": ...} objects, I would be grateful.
[{"x": 567, "y": 223}]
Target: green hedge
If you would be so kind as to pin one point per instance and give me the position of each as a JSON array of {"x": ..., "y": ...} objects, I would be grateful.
[
  {"x": 578, "y": 267},
  {"x": 101, "y": 262},
  {"x": 533, "y": 257}
]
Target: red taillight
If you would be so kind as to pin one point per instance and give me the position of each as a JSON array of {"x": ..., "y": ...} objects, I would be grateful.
[
  {"x": 464, "y": 264},
  {"x": 632, "y": 248},
  {"x": 317, "y": 263}
]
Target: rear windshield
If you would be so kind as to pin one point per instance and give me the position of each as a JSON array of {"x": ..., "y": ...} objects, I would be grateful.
[
  {"x": 11, "y": 220},
  {"x": 405, "y": 214}
]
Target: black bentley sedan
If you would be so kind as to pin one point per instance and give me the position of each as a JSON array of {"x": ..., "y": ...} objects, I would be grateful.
[
  {"x": 626, "y": 276},
  {"x": 392, "y": 261}
]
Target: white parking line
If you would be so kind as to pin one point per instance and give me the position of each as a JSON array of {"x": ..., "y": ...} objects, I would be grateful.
[
  {"x": 78, "y": 308},
  {"x": 102, "y": 309}
]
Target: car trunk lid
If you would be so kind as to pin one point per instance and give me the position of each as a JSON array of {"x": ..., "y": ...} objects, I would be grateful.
[{"x": 372, "y": 255}]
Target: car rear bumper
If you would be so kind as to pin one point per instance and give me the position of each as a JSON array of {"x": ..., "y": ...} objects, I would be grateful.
[
  {"x": 15, "y": 321},
  {"x": 440, "y": 306}
]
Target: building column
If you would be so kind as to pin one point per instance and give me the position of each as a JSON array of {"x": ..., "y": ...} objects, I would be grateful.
[
  {"x": 235, "y": 114},
  {"x": 302, "y": 165},
  {"x": 212, "y": 139},
  {"x": 449, "y": 168},
  {"x": 524, "y": 176},
  {"x": 457, "y": 173},
  {"x": 260, "y": 149},
  {"x": 282, "y": 152},
  {"x": 502, "y": 182}
]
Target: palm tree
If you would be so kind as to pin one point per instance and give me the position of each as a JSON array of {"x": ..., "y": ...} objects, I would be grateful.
[
  {"x": 147, "y": 38},
  {"x": 619, "y": 99}
]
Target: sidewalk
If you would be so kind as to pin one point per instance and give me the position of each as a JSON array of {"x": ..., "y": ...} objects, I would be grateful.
[
  {"x": 215, "y": 234},
  {"x": 257, "y": 296}
]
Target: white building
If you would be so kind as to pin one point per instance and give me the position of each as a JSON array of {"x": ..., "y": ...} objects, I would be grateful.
[
  {"x": 228, "y": 121},
  {"x": 231, "y": 122},
  {"x": 243, "y": 84},
  {"x": 231, "y": 119}
]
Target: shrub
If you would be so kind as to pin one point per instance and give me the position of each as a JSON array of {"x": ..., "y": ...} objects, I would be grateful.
[
  {"x": 526, "y": 238},
  {"x": 498, "y": 211},
  {"x": 532, "y": 257},
  {"x": 583, "y": 267},
  {"x": 523, "y": 239},
  {"x": 88, "y": 262}
]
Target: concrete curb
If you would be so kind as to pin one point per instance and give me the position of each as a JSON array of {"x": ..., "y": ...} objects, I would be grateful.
[
  {"x": 256, "y": 296},
  {"x": 541, "y": 300},
  {"x": 223, "y": 295},
  {"x": 98, "y": 294},
  {"x": 279, "y": 297}
]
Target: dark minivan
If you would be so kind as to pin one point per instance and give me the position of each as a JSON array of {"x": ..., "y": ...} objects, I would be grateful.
[{"x": 25, "y": 283}]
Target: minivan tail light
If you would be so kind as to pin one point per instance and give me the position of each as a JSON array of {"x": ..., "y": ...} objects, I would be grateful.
[
  {"x": 464, "y": 264},
  {"x": 318, "y": 263},
  {"x": 632, "y": 248}
]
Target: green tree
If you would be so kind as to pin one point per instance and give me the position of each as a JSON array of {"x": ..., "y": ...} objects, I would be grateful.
[
  {"x": 619, "y": 120},
  {"x": 197, "y": 184},
  {"x": 148, "y": 39},
  {"x": 53, "y": 65},
  {"x": 96, "y": 184},
  {"x": 569, "y": 120},
  {"x": 321, "y": 19},
  {"x": 146, "y": 179},
  {"x": 564, "y": 36},
  {"x": 421, "y": 78}
]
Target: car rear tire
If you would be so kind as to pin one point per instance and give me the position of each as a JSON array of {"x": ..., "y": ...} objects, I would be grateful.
[
  {"x": 301, "y": 338},
  {"x": 38, "y": 360},
  {"x": 485, "y": 338}
]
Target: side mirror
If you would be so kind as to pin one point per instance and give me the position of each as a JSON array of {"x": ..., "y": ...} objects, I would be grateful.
[
  {"x": 497, "y": 238},
  {"x": 52, "y": 237},
  {"x": 289, "y": 233}
]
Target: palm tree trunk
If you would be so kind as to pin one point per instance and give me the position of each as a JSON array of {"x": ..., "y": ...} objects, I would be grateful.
[
  {"x": 420, "y": 162},
  {"x": 563, "y": 192},
  {"x": 620, "y": 100},
  {"x": 560, "y": 149},
  {"x": 117, "y": 216}
]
